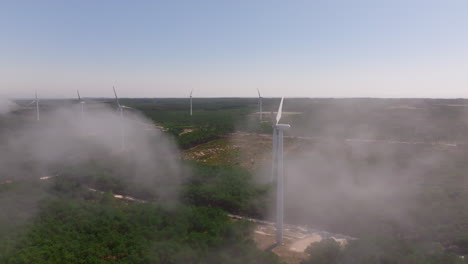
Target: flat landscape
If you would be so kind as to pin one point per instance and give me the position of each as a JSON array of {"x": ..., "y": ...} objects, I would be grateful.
[{"x": 389, "y": 174}]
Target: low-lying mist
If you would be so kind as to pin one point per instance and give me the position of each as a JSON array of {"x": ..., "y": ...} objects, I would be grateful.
[
  {"x": 6, "y": 106},
  {"x": 93, "y": 146},
  {"x": 400, "y": 184},
  {"x": 355, "y": 187}
]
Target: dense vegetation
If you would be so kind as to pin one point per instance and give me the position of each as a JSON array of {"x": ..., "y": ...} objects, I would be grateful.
[
  {"x": 211, "y": 118},
  {"x": 75, "y": 225},
  {"x": 379, "y": 250},
  {"x": 230, "y": 188},
  {"x": 104, "y": 230}
]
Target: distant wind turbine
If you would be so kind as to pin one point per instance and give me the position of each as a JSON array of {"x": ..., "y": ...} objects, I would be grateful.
[
  {"x": 191, "y": 102},
  {"x": 82, "y": 103},
  {"x": 35, "y": 102},
  {"x": 278, "y": 171},
  {"x": 122, "y": 126},
  {"x": 38, "y": 117},
  {"x": 260, "y": 104}
]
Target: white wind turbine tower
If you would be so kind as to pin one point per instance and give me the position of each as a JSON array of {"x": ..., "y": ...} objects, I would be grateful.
[
  {"x": 260, "y": 104},
  {"x": 278, "y": 171},
  {"x": 191, "y": 102},
  {"x": 38, "y": 117},
  {"x": 82, "y": 103},
  {"x": 122, "y": 125}
]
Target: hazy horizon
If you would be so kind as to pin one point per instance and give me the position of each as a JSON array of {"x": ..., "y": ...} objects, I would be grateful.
[{"x": 234, "y": 97}]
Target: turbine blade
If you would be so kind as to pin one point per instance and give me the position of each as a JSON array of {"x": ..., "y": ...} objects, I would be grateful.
[
  {"x": 280, "y": 111},
  {"x": 259, "y": 96},
  {"x": 116, "y": 98},
  {"x": 79, "y": 97},
  {"x": 191, "y": 93}
]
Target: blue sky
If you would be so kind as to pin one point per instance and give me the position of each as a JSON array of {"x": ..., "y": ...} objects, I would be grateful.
[{"x": 346, "y": 48}]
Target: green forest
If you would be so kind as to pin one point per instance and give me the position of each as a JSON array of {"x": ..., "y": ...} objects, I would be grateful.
[{"x": 74, "y": 225}]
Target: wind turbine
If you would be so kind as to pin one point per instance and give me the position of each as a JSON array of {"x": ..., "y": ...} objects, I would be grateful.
[
  {"x": 260, "y": 104},
  {"x": 278, "y": 171},
  {"x": 38, "y": 116},
  {"x": 36, "y": 102},
  {"x": 82, "y": 102},
  {"x": 122, "y": 127},
  {"x": 191, "y": 102}
]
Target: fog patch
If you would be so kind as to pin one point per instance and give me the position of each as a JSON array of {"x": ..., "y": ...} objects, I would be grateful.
[
  {"x": 65, "y": 143},
  {"x": 6, "y": 106},
  {"x": 340, "y": 178}
]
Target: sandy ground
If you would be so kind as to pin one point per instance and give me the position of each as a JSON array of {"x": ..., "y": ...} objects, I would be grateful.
[
  {"x": 264, "y": 237},
  {"x": 296, "y": 239},
  {"x": 301, "y": 244}
]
